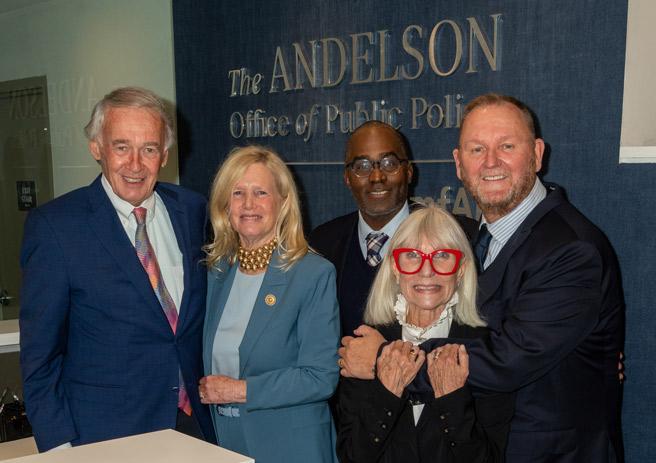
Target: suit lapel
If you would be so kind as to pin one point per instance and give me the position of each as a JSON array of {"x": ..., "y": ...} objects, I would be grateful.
[
  {"x": 491, "y": 278},
  {"x": 180, "y": 222},
  {"x": 273, "y": 284},
  {"x": 104, "y": 222},
  {"x": 391, "y": 332},
  {"x": 343, "y": 244}
]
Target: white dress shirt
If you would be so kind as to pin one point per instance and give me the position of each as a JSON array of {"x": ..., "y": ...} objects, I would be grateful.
[
  {"x": 161, "y": 235},
  {"x": 503, "y": 228},
  {"x": 389, "y": 229}
]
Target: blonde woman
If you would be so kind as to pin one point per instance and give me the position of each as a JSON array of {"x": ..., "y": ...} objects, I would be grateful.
[
  {"x": 272, "y": 325},
  {"x": 425, "y": 288}
]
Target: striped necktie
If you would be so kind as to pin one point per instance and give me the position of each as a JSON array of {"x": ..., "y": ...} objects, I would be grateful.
[{"x": 149, "y": 261}]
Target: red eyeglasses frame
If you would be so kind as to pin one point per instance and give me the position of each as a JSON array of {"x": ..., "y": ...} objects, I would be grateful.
[{"x": 427, "y": 257}]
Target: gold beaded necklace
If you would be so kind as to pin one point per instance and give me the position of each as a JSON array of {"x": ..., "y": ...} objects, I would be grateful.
[{"x": 257, "y": 258}]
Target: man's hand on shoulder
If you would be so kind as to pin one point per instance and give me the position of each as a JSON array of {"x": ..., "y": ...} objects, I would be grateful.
[{"x": 358, "y": 356}]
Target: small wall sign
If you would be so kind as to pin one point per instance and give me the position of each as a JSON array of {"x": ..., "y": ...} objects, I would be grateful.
[{"x": 26, "y": 190}]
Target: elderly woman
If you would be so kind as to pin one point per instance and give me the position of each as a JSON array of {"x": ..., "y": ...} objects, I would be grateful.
[
  {"x": 272, "y": 325},
  {"x": 425, "y": 288}
]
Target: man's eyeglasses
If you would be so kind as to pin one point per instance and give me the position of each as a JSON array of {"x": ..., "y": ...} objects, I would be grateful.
[
  {"x": 442, "y": 261},
  {"x": 363, "y": 167}
]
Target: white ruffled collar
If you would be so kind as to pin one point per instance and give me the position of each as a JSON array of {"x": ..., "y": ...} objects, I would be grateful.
[{"x": 415, "y": 334}]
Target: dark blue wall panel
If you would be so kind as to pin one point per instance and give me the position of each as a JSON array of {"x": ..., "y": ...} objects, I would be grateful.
[{"x": 564, "y": 59}]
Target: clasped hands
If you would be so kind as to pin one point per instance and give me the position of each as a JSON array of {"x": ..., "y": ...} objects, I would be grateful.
[
  {"x": 398, "y": 365},
  {"x": 221, "y": 389},
  {"x": 399, "y": 362}
]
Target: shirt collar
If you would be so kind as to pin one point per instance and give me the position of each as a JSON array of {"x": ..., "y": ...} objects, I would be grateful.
[
  {"x": 503, "y": 228},
  {"x": 415, "y": 334},
  {"x": 124, "y": 208},
  {"x": 390, "y": 227}
]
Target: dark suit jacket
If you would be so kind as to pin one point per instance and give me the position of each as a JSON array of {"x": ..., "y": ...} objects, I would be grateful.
[
  {"x": 332, "y": 240},
  {"x": 98, "y": 356},
  {"x": 554, "y": 300},
  {"x": 378, "y": 426}
]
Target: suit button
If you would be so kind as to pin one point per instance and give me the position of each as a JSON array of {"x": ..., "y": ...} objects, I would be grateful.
[
  {"x": 443, "y": 417},
  {"x": 175, "y": 389},
  {"x": 376, "y": 439},
  {"x": 452, "y": 444},
  {"x": 384, "y": 426},
  {"x": 446, "y": 431}
]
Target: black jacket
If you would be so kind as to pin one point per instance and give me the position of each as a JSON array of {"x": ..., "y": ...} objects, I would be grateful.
[{"x": 378, "y": 426}]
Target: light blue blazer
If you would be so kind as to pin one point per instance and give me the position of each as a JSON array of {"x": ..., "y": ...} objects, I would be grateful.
[{"x": 288, "y": 357}]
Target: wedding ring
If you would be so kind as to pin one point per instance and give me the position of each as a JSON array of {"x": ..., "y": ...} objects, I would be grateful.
[
  {"x": 201, "y": 395},
  {"x": 437, "y": 354},
  {"x": 413, "y": 352},
  {"x": 340, "y": 362}
]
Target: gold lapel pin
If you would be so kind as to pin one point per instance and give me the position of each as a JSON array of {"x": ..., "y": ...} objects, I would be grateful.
[{"x": 270, "y": 299}]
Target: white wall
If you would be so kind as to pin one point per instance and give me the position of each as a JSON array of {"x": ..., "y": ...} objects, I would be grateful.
[
  {"x": 86, "y": 48},
  {"x": 638, "y": 141}
]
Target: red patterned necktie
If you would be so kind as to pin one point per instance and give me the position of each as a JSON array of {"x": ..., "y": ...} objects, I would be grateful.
[{"x": 149, "y": 261}]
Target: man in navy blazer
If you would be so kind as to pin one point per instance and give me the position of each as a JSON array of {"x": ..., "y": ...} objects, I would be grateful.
[
  {"x": 382, "y": 199},
  {"x": 550, "y": 290},
  {"x": 98, "y": 356}
]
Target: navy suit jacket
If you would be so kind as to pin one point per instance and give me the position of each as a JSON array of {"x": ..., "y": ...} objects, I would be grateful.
[
  {"x": 553, "y": 299},
  {"x": 332, "y": 239},
  {"x": 98, "y": 356},
  {"x": 288, "y": 357}
]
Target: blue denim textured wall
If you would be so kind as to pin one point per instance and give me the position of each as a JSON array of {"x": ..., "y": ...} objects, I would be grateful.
[{"x": 564, "y": 59}]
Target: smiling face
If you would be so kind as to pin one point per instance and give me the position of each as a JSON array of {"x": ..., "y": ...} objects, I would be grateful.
[
  {"x": 131, "y": 152},
  {"x": 379, "y": 196},
  {"x": 254, "y": 206},
  {"x": 498, "y": 158},
  {"x": 427, "y": 292}
]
